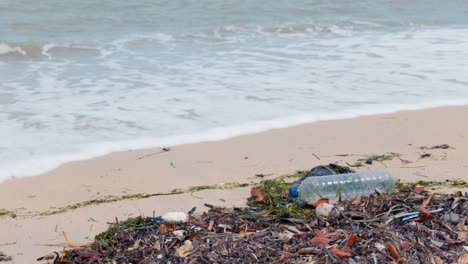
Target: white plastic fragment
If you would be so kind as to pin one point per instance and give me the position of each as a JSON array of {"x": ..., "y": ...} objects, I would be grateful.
[
  {"x": 179, "y": 233},
  {"x": 175, "y": 217},
  {"x": 380, "y": 246},
  {"x": 323, "y": 210}
]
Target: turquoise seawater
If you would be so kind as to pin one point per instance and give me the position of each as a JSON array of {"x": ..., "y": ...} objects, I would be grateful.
[{"x": 84, "y": 78}]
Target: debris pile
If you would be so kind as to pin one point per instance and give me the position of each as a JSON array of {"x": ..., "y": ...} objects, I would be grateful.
[{"x": 409, "y": 226}]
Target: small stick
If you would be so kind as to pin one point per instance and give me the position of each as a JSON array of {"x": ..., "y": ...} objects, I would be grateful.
[
  {"x": 429, "y": 199},
  {"x": 155, "y": 153}
]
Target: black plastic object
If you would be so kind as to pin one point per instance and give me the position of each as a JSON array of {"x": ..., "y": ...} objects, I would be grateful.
[{"x": 324, "y": 170}]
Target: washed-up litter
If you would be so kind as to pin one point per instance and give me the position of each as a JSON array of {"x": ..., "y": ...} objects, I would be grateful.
[
  {"x": 344, "y": 186},
  {"x": 410, "y": 225}
]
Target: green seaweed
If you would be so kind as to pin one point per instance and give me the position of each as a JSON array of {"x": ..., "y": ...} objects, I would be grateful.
[
  {"x": 382, "y": 157},
  {"x": 274, "y": 203},
  {"x": 5, "y": 212},
  {"x": 105, "y": 238},
  {"x": 232, "y": 185},
  {"x": 424, "y": 183},
  {"x": 459, "y": 182},
  {"x": 111, "y": 199},
  {"x": 405, "y": 187},
  {"x": 409, "y": 186},
  {"x": 202, "y": 187},
  {"x": 297, "y": 174}
]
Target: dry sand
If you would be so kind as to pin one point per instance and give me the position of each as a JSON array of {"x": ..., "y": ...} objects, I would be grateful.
[{"x": 272, "y": 153}]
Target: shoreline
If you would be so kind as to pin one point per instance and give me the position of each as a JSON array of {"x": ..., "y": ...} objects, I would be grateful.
[
  {"x": 211, "y": 135},
  {"x": 236, "y": 160}
]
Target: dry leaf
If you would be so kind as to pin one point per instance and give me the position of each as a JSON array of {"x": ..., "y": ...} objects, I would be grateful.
[
  {"x": 320, "y": 201},
  {"x": 356, "y": 201},
  {"x": 319, "y": 238},
  {"x": 463, "y": 259},
  {"x": 166, "y": 227},
  {"x": 73, "y": 245},
  {"x": 462, "y": 235},
  {"x": 340, "y": 253},
  {"x": 351, "y": 239},
  {"x": 405, "y": 244},
  {"x": 135, "y": 245},
  {"x": 425, "y": 213},
  {"x": 396, "y": 256},
  {"x": 428, "y": 200},
  {"x": 255, "y": 192},
  {"x": 309, "y": 250},
  {"x": 419, "y": 189},
  {"x": 185, "y": 250}
]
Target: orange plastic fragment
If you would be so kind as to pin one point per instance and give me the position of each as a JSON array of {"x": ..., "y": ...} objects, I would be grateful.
[
  {"x": 351, "y": 239},
  {"x": 340, "y": 253},
  {"x": 73, "y": 245}
]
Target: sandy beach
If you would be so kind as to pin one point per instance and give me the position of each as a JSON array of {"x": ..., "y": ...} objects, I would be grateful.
[{"x": 56, "y": 201}]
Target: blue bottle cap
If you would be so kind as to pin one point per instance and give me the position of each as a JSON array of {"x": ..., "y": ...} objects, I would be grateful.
[{"x": 293, "y": 192}]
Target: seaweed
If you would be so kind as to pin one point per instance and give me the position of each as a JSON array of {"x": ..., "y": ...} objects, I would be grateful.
[
  {"x": 5, "y": 212},
  {"x": 380, "y": 158},
  {"x": 112, "y": 199},
  {"x": 275, "y": 202}
]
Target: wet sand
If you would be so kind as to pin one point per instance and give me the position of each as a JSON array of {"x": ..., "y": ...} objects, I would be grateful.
[{"x": 227, "y": 163}]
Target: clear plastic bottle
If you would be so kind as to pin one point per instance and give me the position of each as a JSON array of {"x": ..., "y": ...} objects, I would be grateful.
[{"x": 348, "y": 186}]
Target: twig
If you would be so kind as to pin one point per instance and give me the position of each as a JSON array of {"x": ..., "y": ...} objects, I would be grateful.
[{"x": 155, "y": 153}]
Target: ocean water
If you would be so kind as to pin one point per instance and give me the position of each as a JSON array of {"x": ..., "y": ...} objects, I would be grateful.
[{"x": 82, "y": 78}]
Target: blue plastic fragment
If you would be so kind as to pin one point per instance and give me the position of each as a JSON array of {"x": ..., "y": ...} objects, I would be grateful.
[
  {"x": 408, "y": 217},
  {"x": 293, "y": 192}
]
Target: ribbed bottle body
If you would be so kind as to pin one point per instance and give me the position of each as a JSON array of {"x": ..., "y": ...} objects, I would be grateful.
[{"x": 348, "y": 186}]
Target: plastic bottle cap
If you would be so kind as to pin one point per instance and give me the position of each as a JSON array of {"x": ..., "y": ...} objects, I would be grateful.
[{"x": 293, "y": 192}]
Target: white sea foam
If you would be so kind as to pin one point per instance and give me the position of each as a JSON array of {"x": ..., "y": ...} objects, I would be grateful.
[
  {"x": 43, "y": 164},
  {"x": 5, "y": 48}
]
